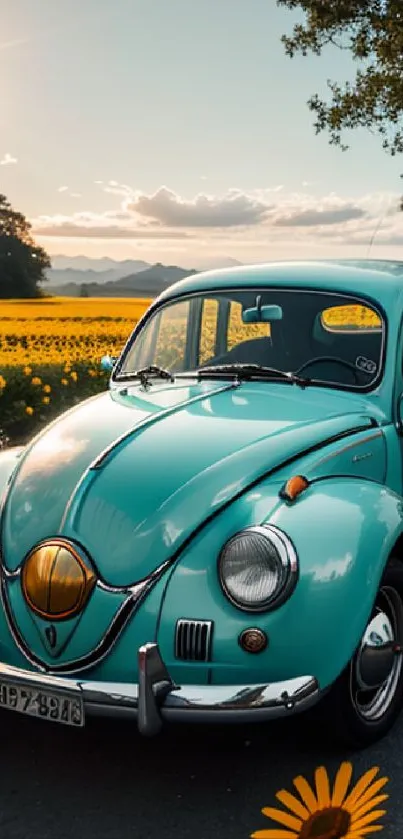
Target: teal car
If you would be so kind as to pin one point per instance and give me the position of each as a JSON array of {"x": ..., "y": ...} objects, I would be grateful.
[{"x": 218, "y": 537}]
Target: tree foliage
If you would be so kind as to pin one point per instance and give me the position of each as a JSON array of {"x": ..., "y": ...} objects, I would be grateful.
[
  {"x": 372, "y": 31},
  {"x": 22, "y": 262}
]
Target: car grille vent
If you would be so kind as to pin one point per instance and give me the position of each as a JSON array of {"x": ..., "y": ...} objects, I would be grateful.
[{"x": 193, "y": 640}]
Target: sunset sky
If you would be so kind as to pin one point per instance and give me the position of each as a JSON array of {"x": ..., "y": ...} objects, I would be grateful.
[{"x": 172, "y": 130}]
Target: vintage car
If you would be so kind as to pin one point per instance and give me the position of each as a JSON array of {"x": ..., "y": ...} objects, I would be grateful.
[{"x": 219, "y": 535}]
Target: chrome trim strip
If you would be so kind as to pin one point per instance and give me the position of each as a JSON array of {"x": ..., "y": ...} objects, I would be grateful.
[
  {"x": 127, "y": 609},
  {"x": 344, "y": 449},
  {"x": 10, "y": 575},
  {"x": 189, "y": 703}
]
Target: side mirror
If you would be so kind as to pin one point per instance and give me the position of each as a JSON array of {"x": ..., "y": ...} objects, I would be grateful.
[{"x": 108, "y": 362}]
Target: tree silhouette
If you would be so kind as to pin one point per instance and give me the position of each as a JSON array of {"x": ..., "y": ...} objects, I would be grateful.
[
  {"x": 372, "y": 32},
  {"x": 22, "y": 262}
]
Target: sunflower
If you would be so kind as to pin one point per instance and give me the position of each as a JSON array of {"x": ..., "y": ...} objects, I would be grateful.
[{"x": 328, "y": 814}]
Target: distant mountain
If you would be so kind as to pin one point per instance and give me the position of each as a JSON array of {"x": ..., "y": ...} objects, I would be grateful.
[
  {"x": 154, "y": 279},
  {"x": 60, "y": 276},
  {"x": 74, "y": 276},
  {"x": 105, "y": 263},
  {"x": 84, "y": 270},
  {"x": 148, "y": 283}
]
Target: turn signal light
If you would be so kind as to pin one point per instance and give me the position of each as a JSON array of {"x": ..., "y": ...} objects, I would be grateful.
[{"x": 293, "y": 488}]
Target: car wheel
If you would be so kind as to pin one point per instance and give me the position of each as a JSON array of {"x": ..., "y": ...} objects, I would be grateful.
[{"x": 365, "y": 701}]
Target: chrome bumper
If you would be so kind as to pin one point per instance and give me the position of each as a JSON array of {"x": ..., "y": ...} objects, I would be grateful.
[{"x": 156, "y": 697}]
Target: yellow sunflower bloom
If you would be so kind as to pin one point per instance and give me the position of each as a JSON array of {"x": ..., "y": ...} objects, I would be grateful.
[
  {"x": 29, "y": 410},
  {"x": 36, "y": 381},
  {"x": 47, "y": 389},
  {"x": 325, "y": 813}
]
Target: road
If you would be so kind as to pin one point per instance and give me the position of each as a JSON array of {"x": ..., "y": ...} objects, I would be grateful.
[{"x": 106, "y": 782}]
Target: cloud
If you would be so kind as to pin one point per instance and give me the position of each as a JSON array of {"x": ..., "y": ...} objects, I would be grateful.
[
  {"x": 74, "y": 230},
  {"x": 8, "y": 160},
  {"x": 267, "y": 220},
  {"x": 234, "y": 209},
  {"x": 314, "y": 218},
  {"x": 71, "y": 194},
  {"x": 113, "y": 188}
]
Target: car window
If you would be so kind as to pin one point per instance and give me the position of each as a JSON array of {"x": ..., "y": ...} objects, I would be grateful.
[
  {"x": 348, "y": 318},
  {"x": 208, "y": 330},
  {"x": 238, "y": 332},
  {"x": 355, "y": 333},
  {"x": 330, "y": 338},
  {"x": 163, "y": 342}
]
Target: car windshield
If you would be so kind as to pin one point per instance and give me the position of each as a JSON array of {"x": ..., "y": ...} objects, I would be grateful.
[{"x": 324, "y": 337}]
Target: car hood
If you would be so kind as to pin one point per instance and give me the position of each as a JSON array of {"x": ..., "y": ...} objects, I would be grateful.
[{"x": 177, "y": 454}]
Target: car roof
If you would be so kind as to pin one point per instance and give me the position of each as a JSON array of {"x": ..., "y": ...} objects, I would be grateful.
[{"x": 381, "y": 280}]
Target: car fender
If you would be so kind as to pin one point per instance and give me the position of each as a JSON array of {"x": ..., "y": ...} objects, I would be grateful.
[{"x": 343, "y": 531}]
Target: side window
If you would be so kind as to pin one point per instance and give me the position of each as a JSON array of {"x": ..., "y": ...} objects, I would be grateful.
[
  {"x": 141, "y": 353},
  {"x": 353, "y": 333},
  {"x": 208, "y": 330},
  {"x": 170, "y": 345},
  {"x": 349, "y": 319},
  {"x": 163, "y": 341},
  {"x": 238, "y": 332}
]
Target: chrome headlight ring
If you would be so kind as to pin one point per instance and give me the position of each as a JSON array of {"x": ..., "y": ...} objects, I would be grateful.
[{"x": 269, "y": 563}]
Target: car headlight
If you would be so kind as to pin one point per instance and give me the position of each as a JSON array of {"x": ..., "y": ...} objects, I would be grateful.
[{"x": 258, "y": 568}]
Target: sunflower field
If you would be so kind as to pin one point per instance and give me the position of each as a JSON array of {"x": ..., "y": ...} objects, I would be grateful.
[{"x": 50, "y": 352}]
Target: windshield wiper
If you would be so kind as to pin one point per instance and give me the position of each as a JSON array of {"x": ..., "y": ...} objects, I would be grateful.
[
  {"x": 247, "y": 371},
  {"x": 147, "y": 373}
]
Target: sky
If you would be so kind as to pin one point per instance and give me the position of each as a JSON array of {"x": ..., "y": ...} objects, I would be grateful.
[{"x": 178, "y": 131}]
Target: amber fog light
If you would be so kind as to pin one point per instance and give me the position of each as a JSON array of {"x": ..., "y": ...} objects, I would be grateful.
[
  {"x": 55, "y": 581},
  {"x": 253, "y": 640}
]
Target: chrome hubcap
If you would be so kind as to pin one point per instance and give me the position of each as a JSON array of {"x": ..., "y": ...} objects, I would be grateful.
[
  {"x": 378, "y": 640},
  {"x": 377, "y": 667}
]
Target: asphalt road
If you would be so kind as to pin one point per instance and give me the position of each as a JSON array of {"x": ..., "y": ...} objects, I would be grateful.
[{"x": 106, "y": 782}]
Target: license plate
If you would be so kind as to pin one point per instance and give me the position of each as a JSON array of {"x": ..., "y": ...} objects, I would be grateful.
[{"x": 46, "y": 704}]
